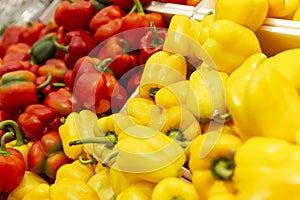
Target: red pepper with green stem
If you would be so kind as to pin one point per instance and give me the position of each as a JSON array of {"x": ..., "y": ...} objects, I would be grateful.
[
  {"x": 17, "y": 91},
  {"x": 151, "y": 43},
  {"x": 46, "y": 155},
  {"x": 37, "y": 120},
  {"x": 106, "y": 22},
  {"x": 74, "y": 14},
  {"x": 78, "y": 43},
  {"x": 12, "y": 165}
]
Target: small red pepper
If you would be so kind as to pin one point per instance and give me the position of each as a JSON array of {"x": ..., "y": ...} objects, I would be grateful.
[
  {"x": 118, "y": 99},
  {"x": 32, "y": 32},
  {"x": 78, "y": 43},
  {"x": 17, "y": 91},
  {"x": 151, "y": 43},
  {"x": 10, "y": 67},
  {"x": 74, "y": 14},
  {"x": 61, "y": 101},
  {"x": 106, "y": 22},
  {"x": 17, "y": 52},
  {"x": 12, "y": 165},
  {"x": 56, "y": 67},
  {"x": 47, "y": 84},
  {"x": 37, "y": 120},
  {"x": 46, "y": 155}
]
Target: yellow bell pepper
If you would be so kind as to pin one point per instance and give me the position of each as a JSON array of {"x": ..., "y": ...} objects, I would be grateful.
[
  {"x": 19, "y": 142},
  {"x": 137, "y": 191},
  {"x": 221, "y": 191},
  {"x": 248, "y": 13},
  {"x": 207, "y": 94},
  {"x": 29, "y": 182},
  {"x": 211, "y": 159},
  {"x": 75, "y": 170},
  {"x": 281, "y": 9},
  {"x": 296, "y": 14},
  {"x": 267, "y": 168},
  {"x": 147, "y": 154},
  {"x": 287, "y": 63},
  {"x": 77, "y": 125},
  {"x": 100, "y": 183},
  {"x": 267, "y": 105},
  {"x": 161, "y": 69},
  {"x": 40, "y": 192},
  {"x": 229, "y": 44},
  {"x": 69, "y": 188},
  {"x": 174, "y": 188},
  {"x": 173, "y": 95}
]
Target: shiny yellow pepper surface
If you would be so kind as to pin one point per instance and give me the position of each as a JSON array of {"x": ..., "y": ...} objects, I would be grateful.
[
  {"x": 161, "y": 69},
  {"x": 137, "y": 191},
  {"x": 281, "y": 9},
  {"x": 262, "y": 101},
  {"x": 248, "y": 13},
  {"x": 267, "y": 168}
]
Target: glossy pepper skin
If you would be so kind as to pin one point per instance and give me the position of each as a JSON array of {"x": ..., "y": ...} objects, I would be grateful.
[
  {"x": 77, "y": 43},
  {"x": 250, "y": 14},
  {"x": 151, "y": 43},
  {"x": 106, "y": 22},
  {"x": 262, "y": 83},
  {"x": 46, "y": 155},
  {"x": 270, "y": 159},
  {"x": 12, "y": 166},
  {"x": 17, "y": 52},
  {"x": 211, "y": 159},
  {"x": 174, "y": 188},
  {"x": 278, "y": 9},
  {"x": 139, "y": 190},
  {"x": 17, "y": 91},
  {"x": 67, "y": 12},
  {"x": 161, "y": 69},
  {"x": 37, "y": 120}
]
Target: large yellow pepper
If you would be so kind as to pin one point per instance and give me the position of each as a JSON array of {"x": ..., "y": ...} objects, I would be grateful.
[
  {"x": 40, "y": 192},
  {"x": 211, "y": 159},
  {"x": 229, "y": 44},
  {"x": 267, "y": 105},
  {"x": 281, "y": 9},
  {"x": 77, "y": 125},
  {"x": 174, "y": 188},
  {"x": 296, "y": 14},
  {"x": 248, "y": 13},
  {"x": 161, "y": 69},
  {"x": 29, "y": 182},
  {"x": 267, "y": 168},
  {"x": 137, "y": 191},
  {"x": 70, "y": 189},
  {"x": 207, "y": 94}
]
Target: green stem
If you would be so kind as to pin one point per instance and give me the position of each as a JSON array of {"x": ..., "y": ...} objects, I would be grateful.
[
  {"x": 94, "y": 140},
  {"x": 44, "y": 84},
  {"x": 92, "y": 160},
  {"x": 133, "y": 9},
  {"x": 223, "y": 168},
  {"x": 217, "y": 116},
  {"x": 59, "y": 46},
  {"x": 156, "y": 41},
  {"x": 17, "y": 131},
  {"x": 139, "y": 7},
  {"x": 58, "y": 85},
  {"x": 124, "y": 45},
  {"x": 108, "y": 158},
  {"x": 101, "y": 66},
  {"x": 176, "y": 134},
  {"x": 3, "y": 150},
  {"x": 152, "y": 92},
  {"x": 177, "y": 198}
]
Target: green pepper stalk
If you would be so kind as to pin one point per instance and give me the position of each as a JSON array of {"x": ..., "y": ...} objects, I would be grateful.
[{"x": 16, "y": 129}]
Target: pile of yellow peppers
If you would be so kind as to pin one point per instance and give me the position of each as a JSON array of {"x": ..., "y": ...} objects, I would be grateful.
[{"x": 228, "y": 129}]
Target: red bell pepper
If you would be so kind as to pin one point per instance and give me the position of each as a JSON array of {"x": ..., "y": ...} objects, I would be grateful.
[
  {"x": 46, "y": 155},
  {"x": 12, "y": 165},
  {"x": 78, "y": 43},
  {"x": 134, "y": 78},
  {"x": 10, "y": 67},
  {"x": 88, "y": 64},
  {"x": 17, "y": 91},
  {"x": 17, "y": 52},
  {"x": 106, "y": 22},
  {"x": 32, "y": 31},
  {"x": 37, "y": 120},
  {"x": 56, "y": 67},
  {"x": 151, "y": 43},
  {"x": 74, "y": 14},
  {"x": 61, "y": 101},
  {"x": 118, "y": 99},
  {"x": 135, "y": 20}
]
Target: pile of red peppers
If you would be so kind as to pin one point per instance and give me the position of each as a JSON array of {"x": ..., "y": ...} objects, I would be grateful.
[{"x": 47, "y": 71}]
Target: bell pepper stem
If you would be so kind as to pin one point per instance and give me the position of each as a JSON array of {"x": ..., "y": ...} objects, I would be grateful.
[
  {"x": 94, "y": 140},
  {"x": 44, "y": 84},
  {"x": 176, "y": 134},
  {"x": 92, "y": 160},
  {"x": 16, "y": 129},
  {"x": 177, "y": 198},
  {"x": 59, "y": 46},
  {"x": 222, "y": 168},
  {"x": 133, "y": 9},
  {"x": 139, "y": 7},
  {"x": 3, "y": 150},
  {"x": 156, "y": 41},
  {"x": 152, "y": 92},
  {"x": 125, "y": 46},
  {"x": 217, "y": 116},
  {"x": 58, "y": 85},
  {"x": 101, "y": 66},
  {"x": 109, "y": 157}
]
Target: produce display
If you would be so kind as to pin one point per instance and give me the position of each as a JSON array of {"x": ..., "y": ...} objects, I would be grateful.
[{"x": 108, "y": 101}]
